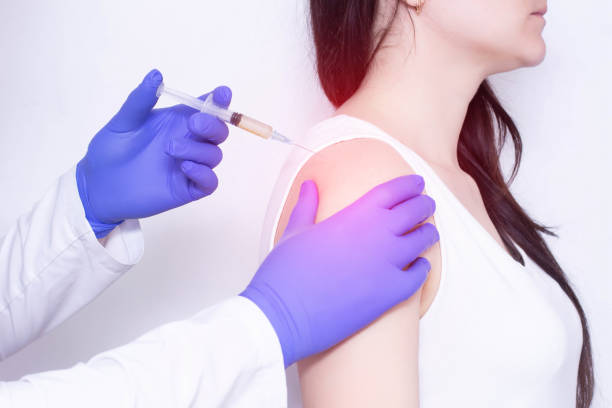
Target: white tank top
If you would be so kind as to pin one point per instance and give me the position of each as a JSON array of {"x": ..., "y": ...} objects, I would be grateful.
[{"x": 498, "y": 334}]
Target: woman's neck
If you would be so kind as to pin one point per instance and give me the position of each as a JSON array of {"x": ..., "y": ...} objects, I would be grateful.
[{"x": 420, "y": 99}]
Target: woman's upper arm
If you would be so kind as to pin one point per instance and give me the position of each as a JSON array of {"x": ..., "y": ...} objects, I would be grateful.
[{"x": 378, "y": 366}]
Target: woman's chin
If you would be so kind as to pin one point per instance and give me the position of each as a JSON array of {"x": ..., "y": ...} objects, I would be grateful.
[{"x": 535, "y": 53}]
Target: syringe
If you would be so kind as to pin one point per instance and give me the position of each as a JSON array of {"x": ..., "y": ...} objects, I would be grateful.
[{"x": 247, "y": 123}]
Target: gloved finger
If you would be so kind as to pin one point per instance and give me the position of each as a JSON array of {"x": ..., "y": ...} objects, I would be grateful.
[
  {"x": 203, "y": 180},
  {"x": 207, "y": 128},
  {"x": 138, "y": 105},
  {"x": 413, "y": 244},
  {"x": 412, "y": 279},
  {"x": 396, "y": 191},
  {"x": 222, "y": 96},
  {"x": 204, "y": 153},
  {"x": 304, "y": 213},
  {"x": 407, "y": 215}
]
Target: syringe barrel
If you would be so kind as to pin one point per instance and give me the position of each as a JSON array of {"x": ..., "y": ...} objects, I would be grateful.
[
  {"x": 181, "y": 96},
  {"x": 252, "y": 125},
  {"x": 247, "y": 123}
]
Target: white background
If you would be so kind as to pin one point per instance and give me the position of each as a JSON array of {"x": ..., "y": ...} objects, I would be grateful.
[{"x": 67, "y": 66}]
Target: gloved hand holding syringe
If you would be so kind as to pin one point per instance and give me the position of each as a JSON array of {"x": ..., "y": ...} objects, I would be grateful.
[{"x": 247, "y": 123}]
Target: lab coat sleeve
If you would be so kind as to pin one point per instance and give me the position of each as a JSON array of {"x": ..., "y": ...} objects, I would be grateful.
[
  {"x": 51, "y": 264},
  {"x": 226, "y": 356}
]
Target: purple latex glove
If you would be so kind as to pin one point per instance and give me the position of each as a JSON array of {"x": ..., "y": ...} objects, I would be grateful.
[
  {"x": 145, "y": 161},
  {"x": 323, "y": 282}
]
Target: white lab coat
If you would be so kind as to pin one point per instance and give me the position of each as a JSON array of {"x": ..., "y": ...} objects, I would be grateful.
[{"x": 51, "y": 264}]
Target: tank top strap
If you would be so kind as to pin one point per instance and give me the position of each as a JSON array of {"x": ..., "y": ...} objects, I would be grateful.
[{"x": 344, "y": 127}]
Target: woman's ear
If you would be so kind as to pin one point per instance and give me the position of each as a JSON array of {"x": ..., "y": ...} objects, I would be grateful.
[{"x": 416, "y": 5}]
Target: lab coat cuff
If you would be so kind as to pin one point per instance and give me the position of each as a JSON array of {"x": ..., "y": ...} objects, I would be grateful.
[
  {"x": 263, "y": 334},
  {"x": 254, "y": 350},
  {"x": 124, "y": 246}
]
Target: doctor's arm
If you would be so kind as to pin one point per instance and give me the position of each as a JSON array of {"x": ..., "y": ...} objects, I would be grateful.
[
  {"x": 227, "y": 355},
  {"x": 84, "y": 234},
  {"x": 51, "y": 264},
  {"x": 234, "y": 353}
]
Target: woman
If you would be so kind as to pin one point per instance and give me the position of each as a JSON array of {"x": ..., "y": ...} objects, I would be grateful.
[{"x": 497, "y": 323}]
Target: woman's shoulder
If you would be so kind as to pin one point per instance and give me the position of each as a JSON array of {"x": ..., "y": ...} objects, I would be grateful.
[
  {"x": 348, "y": 161},
  {"x": 351, "y": 156}
]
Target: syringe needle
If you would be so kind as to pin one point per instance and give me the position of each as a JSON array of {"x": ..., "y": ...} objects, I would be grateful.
[{"x": 302, "y": 147}]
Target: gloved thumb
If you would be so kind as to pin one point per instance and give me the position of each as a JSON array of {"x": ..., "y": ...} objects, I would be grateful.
[
  {"x": 410, "y": 280},
  {"x": 305, "y": 211},
  {"x": 138, "y": 105}
]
